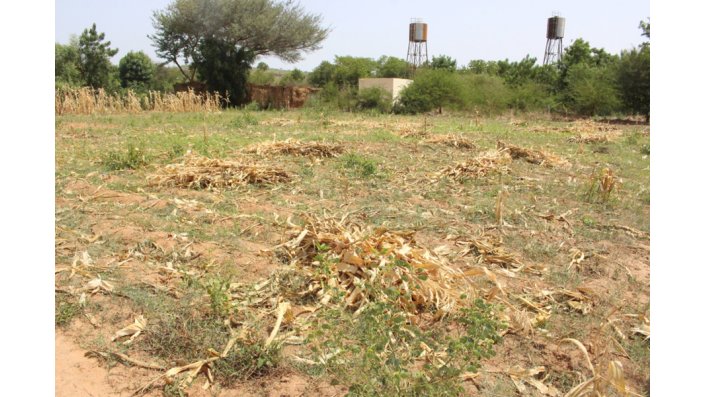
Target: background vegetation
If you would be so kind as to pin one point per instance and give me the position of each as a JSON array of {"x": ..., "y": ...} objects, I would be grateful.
[{"x": 588, "y": 81}]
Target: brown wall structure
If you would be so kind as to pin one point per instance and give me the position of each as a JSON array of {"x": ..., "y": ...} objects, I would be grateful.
[
  {"x": 279, "y": 97},
  {"x": 267, "y": 96},
  {"x": 197, "y": 87}
]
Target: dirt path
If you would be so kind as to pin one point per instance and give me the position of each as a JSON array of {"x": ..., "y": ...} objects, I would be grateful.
[{"x": 77, "y": 375}]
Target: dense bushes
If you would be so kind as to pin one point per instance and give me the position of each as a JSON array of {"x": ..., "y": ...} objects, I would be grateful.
[
  {"x": 587, "y": 81},
  {"x": 432, "y": 89}
]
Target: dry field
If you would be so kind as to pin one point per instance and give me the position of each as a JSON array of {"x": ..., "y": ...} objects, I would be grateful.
[{"x": 313, "y": 253}]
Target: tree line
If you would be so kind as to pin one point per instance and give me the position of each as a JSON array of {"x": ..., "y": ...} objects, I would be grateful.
[
  {"x": 217, "y": 42},
  {"x": 586, "y": 81}
]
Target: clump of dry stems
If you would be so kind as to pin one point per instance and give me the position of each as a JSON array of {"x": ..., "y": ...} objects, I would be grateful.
[
  {"x": 298, "y": 148},
  {"x": 365, "y": 264},
  {"x": 532, "y": 156},
  {"x": 494, "y": 161},
  {"x": 86, "y": 100},
  {"x": 588, "y": 138},
  {"x": 601, "y": 184},
  {"x": 451, "y": 140},
  {"x": 198, "y": 172}
]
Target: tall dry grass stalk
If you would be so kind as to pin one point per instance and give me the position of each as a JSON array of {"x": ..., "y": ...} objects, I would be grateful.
[{"x": 86, "y": 100}]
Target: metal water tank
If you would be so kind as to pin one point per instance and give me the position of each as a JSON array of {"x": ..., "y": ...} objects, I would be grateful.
[
  {"x": 556, "y": 28},
  {"x": 418, "y": 32}
]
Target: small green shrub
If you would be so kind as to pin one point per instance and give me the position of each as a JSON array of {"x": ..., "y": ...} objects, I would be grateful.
[
  {"x": 217, "y": 289},
  {"x": 432, "y": 89},
  {"x": 359, "y": 165},
  {"x": 244, "y": 120},
  {"x": 633, "y": 138},
  {"x": 374, "y": 99},
  {"x": 65, "y": 311},
  {"x": 378, "y": 349},
  {"x": 179, "y": 336},
  {"x": 133, "y": 158},
  {"x": 245, "y": 361},
  {"x": 252, "y": 107}
]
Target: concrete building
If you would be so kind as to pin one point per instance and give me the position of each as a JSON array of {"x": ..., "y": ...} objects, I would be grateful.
[{"x": 392, "y": 85}]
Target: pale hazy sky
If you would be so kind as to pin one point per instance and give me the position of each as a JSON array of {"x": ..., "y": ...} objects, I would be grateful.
[{"x": 465, "y": 30}]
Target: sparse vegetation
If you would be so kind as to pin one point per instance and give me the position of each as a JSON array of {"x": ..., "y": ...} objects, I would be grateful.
[
  {"x": 133, "y": 158},
  {"x": 358, "y": 254},
  {"x": 359, "y": 165}
]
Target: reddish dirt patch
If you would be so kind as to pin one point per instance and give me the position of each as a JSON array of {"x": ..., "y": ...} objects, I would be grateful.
[
  {"x": 77, "y": 375},
  {"x": 88, "y": 192},
  {"x": 287, "y": 385}
]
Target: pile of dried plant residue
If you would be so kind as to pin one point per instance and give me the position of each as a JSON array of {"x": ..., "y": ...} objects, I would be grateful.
[
  {"x": 532, "y": 156},
  {"x": 493, "y": 161},
  {"x": 451, "y": 140},
  {"x": 365, "y": 263},
  {"x": 298, "y": 148},
  {"x": 198, "y": 172}
]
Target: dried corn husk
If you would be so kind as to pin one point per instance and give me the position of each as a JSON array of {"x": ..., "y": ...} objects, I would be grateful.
[
  {"x": 533, "y": 156},
  {"x": 198, "y": 172},
  {"x": 133, "y": 330},
  {"x": 491, "y": 162},
  {"x": 298, "y": 148},
  {"x": 452, "y": 140}
]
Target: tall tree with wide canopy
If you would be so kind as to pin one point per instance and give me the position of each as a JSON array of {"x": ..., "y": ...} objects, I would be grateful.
[{"x": 197, "y": 32}]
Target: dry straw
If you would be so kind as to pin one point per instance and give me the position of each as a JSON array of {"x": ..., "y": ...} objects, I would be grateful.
[
  {"x": 198, "y": 172},
  {"x": 298, "y": 148},
  {"x": 494, "y": 161},
  {"x": 589, "y": 138},
  {"x": 451, "y": 140},
  {"x": 86, "y": 100},
  {"x": 533, "y": 156},
  {"x": 365, "y": 264}
]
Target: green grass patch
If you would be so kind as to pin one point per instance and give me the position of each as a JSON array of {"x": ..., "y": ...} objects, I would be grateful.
[
  {"x": 376, "y": 352},
  {"x": 358, "y": 165},
  {"x": 132, "y": 158}
]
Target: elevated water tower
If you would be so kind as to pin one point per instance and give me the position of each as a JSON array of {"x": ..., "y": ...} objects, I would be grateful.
[
  {"x": 417, "y": 53},
  {"x": 554, "y": 39}
]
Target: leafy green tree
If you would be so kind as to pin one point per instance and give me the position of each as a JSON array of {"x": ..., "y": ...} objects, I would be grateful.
[
  {"x": 66, "y": 66},
  {"x": 261, "y": 77},
  {"x": 136, "y": 70},
  {"x": 579, "y": 53},
  {"x": 517, "y": 73},
  {"x": 479, "y": 66},
  {"x": 295, "y": 77},
  {"x": 348, "y": 70},
  {"x": 165, "y": 77},
  {"x": 592, "y": 90},
  {"x": 94, "y": 58},
  {"x": 443, "y": 62},
  {"x": 262, "y": 66},
  {"x": 633, "y": 79},
  {"x": 633, "y": 75},
  {"x": 645, "y": 27},
  {"x": 224, "y": 69},
  {"x": 432, "y": 89},
  {"x": 392, "y": 67},
  {"x": 484, "y": 92},
  {"x": 322, "y": 74},
  {"x": 208, "y": 32}
]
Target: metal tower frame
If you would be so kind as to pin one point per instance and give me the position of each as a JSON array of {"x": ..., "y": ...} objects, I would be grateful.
[
  {"x": 554, "y": 51},
  {"x": 417, "y": 54}
]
